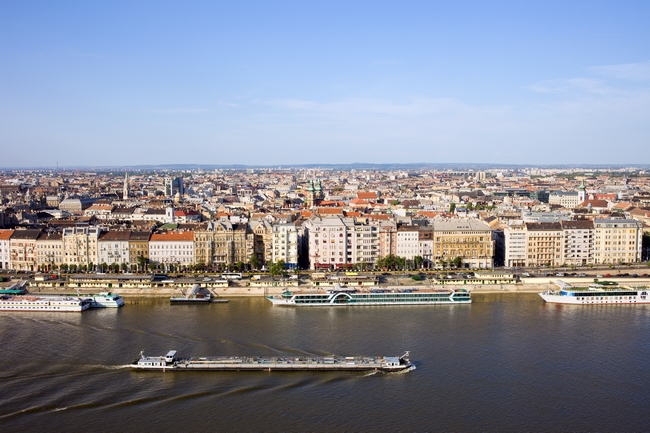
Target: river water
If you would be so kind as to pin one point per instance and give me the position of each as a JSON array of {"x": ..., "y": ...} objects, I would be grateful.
[{"x": 507, "y": 362}]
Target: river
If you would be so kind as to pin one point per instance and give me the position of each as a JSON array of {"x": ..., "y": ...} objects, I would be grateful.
[{"x": 507, "y": 362}]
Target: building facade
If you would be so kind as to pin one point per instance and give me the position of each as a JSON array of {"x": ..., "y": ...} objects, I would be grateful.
[{"x": 617, "y": 241}]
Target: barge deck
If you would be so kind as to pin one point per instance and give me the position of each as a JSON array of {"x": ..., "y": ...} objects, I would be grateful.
[{"x": 170, "y": 362}]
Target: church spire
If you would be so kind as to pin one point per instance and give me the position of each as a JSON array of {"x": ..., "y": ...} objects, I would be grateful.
[{"x": 125, "y": 191}]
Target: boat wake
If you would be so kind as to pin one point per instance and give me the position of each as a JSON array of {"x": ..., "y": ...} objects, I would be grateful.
[
  {"x": 113, "y": 367},
  {"x": 406, "y": 370}
]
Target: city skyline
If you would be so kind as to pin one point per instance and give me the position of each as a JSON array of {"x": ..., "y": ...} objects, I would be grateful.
[{"x": 292, "y": 84}]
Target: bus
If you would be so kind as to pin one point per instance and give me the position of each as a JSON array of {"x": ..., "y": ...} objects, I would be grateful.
[{"x": 231, "y": 275}]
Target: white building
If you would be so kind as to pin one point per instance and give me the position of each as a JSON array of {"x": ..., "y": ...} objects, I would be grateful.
[
  {"x": 172, "y": 248},
  {"x": 113, "y": 247},
  {"x": 408, "y": 244},
  {"x": 578, "y": 242},
  {"x": 515, "y": 244},
  {"x": 285, "y": 244},
  {"x": 363, "y": 241},
  {"x": 5, "y": 259}
]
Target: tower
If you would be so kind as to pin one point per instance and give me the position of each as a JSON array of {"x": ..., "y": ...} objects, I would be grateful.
[
  {"x": 125, "y": 191},
  {"x": 582, "y": 192}
]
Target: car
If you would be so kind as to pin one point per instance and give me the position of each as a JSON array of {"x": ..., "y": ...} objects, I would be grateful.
[
  {"x": 582, "y": 275},
  {"x": 525, "y": 274},
  {"x": 599, "y": 276},
  {"x": 559, "y": 274},
  {"x": 635, "y": 275},
  {"x": 608, "y": 275}
]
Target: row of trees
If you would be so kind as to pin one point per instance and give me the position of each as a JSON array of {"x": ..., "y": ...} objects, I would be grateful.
[{"x": 392, "y": 262}]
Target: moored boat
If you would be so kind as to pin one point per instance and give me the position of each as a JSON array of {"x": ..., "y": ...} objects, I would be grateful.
[
  {"x": 342, "y": 296},
  {"x": 106, "y": 300},
  {"x": 596, "y": 294},
  {"x": 44, "y": 303},
  {"x": 170, "y": 362}
]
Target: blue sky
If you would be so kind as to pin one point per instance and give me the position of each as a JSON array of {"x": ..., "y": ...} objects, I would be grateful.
[{"x": 125, "y": 83}]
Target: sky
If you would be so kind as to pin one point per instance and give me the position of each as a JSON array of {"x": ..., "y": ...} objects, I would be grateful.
[{"x": 105, "y": 83}]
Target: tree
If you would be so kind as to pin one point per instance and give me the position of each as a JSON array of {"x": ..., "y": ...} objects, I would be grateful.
[
  {"x": 254, "y": 262},
  {"x": 469, "y": 206},
  {"x": 142, "y": 263},
  {"x": 153, "y": 266},
  {"x": 418, "y": 261},
  {"x": 103, "y": 266},
  {"x": 452, "y": 208},
  {"x": 64, "y": 267},
  {"x": 458, "y": 262},
  {"x": 277, "y": 268},
  {"x": 124, "y": 267},
  {"x": 73, "y": 269},
  {"x": 91, "y": 266}
]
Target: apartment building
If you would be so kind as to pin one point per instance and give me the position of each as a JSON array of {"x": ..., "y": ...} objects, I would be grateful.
[
  {"x": 617, "y": 241},
  {"x": 114, "y": 247},
  {"x": 49, "y": 251},
  {"x": 172, "y": 248},
  {"x": 22, "y": 249},
  {"x": 515, "y": 244},
  {"x": 544, "y": 244},
  {"x": 5, "y": 257},
  {"x": 469, "y": 239},
  {"x": 80, "y": 246},
  {"x": 577, "y": 242},
  {"x": 285, "y": 244}
]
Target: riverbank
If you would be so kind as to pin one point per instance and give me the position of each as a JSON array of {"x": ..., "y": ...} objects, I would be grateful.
[{"x": 261, "y": 291}]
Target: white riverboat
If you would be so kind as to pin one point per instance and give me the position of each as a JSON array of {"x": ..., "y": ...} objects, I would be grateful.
[
  {"x": 596, "y": 294},
  {"x": 341, "y": 296},
  {"x": 106, "y": 300},
  {"x": 61, "y": 304}
]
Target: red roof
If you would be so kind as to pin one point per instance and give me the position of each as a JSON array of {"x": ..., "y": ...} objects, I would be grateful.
[
  {"x": 367, "y": 195},
  {"x": 330, "y": 210},
  {"x": 5, "y": 234},
  {"x": 172, "y": 236}
]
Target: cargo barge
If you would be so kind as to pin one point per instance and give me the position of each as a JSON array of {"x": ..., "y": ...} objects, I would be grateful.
[{"x": 171, "y": 362}]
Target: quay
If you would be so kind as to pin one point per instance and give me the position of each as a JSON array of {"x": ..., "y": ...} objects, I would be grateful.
[{"x": 218, "y": 288}]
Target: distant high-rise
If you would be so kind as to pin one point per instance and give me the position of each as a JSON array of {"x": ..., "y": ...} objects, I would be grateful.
[{"x": 173, "y": 186}]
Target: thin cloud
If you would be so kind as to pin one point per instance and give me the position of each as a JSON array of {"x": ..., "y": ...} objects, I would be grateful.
[
  {"x": 626, "y": 71},
  {"x": 179, "y": 110},
  {"x": 227, "y": 104},
  {"x": 571, "y": 85},
  {"x": 415, "y": 107}
]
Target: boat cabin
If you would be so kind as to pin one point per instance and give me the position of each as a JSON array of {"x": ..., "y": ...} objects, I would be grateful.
[{"x": 169, "y": 358}]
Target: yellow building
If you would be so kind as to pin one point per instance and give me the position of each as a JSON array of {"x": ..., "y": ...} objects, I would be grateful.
[{"x": 469, "y": 239}]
